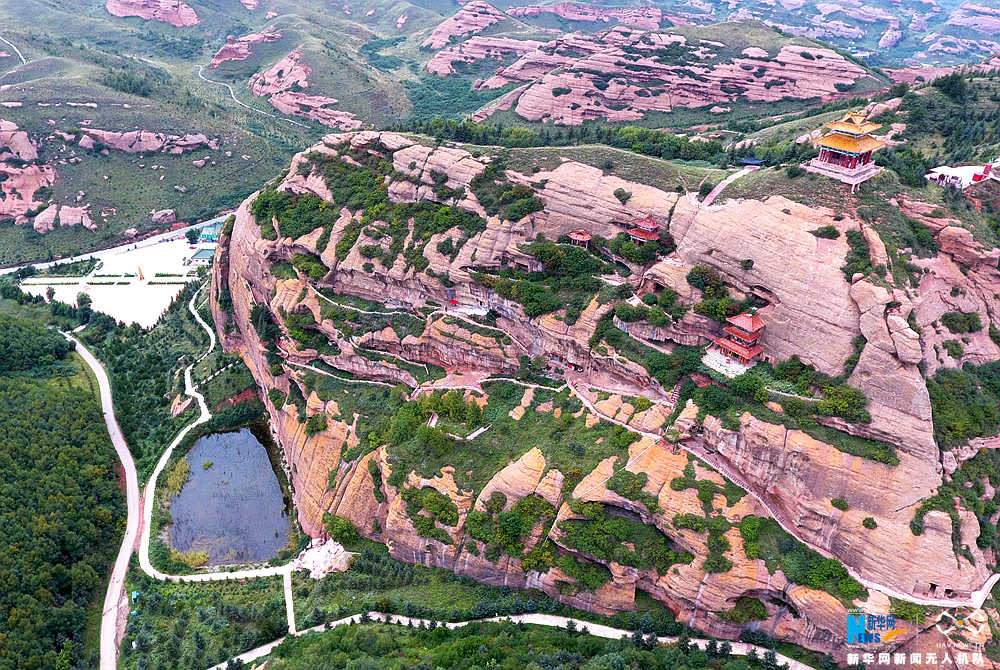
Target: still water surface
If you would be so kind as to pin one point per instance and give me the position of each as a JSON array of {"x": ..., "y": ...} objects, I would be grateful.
[{"x": 234, "y": 508}]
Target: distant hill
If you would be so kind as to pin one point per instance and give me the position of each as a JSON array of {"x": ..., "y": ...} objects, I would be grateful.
[{"x": 227, "y": 90}]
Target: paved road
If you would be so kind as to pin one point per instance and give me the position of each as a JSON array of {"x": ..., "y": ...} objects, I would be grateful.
[
  {"x": 102, "y": 253},
  {"x": 721, "y": 186},
  {"x": 596, "y": 629},
  {"x": 115, "y": 602}
]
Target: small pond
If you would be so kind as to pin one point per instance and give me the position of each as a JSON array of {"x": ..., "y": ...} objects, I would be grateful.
[{"x": 231, "y": 505}]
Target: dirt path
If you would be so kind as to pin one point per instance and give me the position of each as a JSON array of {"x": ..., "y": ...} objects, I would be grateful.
[
  {"x": 16, "y": 50},
  {"x": 721, "y": 186},
  {"x": 243, "y": 104}
]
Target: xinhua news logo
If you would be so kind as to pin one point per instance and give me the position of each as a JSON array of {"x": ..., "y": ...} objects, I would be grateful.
[{"x": 865, "y": 628}]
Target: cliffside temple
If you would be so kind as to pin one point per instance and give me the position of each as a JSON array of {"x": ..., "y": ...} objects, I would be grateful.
[
  {"x": 845, "y": 153},
  {"x": 738, "y": 348}
]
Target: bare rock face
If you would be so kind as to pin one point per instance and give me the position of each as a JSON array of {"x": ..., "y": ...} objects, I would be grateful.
[
  {"x": 19, "y": 188},
  {"x": 142, "y": 141},
  {"x": 472, "y": 18},
  {"x": 282, "y": 75},
  {"x": 174, "y": 12},
  {"x": 240, "y": 48},
  {"x": 14, "y": 142},
  {"x": 163, "y": 216},
  {"x": 618, "y": 76},
  {"x": 978, "y": 17},
  {"x": 811, "y": 314},
  {"x": 647, "y": 18},
  {"x": 478, "y": 48}
]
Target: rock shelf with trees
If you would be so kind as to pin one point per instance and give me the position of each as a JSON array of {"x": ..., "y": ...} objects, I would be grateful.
[{"x": 381, "y": 330}]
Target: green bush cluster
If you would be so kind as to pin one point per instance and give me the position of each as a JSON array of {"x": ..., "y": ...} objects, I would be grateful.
[
  {"x": 858, "y": 258},
  {"x": 763, "y": 538},
  {"x": 590, "y": 576},
  {"x": 962, "y": 322},
  {"x": 602, "y": 535},
  {"x": 315, "y": 424},
  {"x": 745, "y": 610},
  {"x": 631, "y": 485},
  {"x": 310, "y": 265},
  {"x": 439, "y": 508},
  {"x": 507, "y": 530},
  {"x": 965, "y": 403},
  {"x": 340, "y": 529},
  {"x": 828, "y": 232}
]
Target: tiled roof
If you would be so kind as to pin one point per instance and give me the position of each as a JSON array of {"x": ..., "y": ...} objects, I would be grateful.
[
  {"x": 848, "y": 144},
  {"x": 854, "y": 123},
  {"x": 746, "y": 321}
]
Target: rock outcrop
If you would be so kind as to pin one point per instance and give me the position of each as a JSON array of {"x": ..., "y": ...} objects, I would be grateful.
[
  {"x": 620, "y": 74},
  {"x": 14, "y": 142},
  {"x": 143, "y": 141},
  {"x": 470, "y": 19},
  {"x": 174, "y": 12},
  {"x": 240, "y": 48},
  {"x": 282, "y": 84}
]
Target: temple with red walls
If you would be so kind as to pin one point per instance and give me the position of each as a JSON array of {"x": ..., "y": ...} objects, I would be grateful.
[
  {"x": 845, "y": 153},
  {"x": 644, "y": 230},
  {"x": 740, "y": 339}
]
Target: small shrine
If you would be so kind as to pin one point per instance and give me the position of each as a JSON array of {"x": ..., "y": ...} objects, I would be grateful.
[
  {"x": 644, "y": 230},
  {"x": 845, "y": 153},
  {"x": 580, "y": 238}
]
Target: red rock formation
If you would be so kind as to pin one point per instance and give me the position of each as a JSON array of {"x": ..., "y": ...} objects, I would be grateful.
[
  {"x": 277, "y": 82},
  {"x": 19, "y": 188},
  {"x": 478, "y": 48},
  {"x": 174, "y": 12},
  {"x": 617, "y": 75},
  {"x": 139, "y": 141},
  {"x": 15, "y": 142},
  {"x": 315, "y": 107},
  {"x": 978, "y": 17},
  {"x": 240, "y": 48},
  {"x": 813, "y": 313},
  {"x": 648, "y": 18},
  {"x": 282, "y": 75},
  {"x": 472, "y": 18}
]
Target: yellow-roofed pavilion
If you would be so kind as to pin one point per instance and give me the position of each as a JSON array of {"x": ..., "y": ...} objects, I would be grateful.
[{"x": 845, "y": 153}]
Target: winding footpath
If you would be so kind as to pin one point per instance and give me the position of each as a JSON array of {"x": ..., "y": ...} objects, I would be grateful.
[
  {"x": 239, "y": 102},
  {"x": 596, "y": 629}
]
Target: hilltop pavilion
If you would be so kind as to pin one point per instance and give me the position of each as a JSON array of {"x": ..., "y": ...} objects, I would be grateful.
[{"x": 845, "y": 153}]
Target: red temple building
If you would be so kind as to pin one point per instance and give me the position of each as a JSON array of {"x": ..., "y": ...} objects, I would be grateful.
[
  {"x": 644, "y": 230},
  {"x": 580, "y": 238},
  {"x": 740, "y": 338},
  {"x": 845, "y": 153}
]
